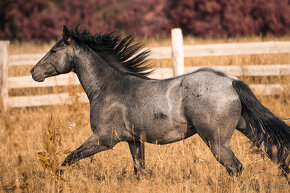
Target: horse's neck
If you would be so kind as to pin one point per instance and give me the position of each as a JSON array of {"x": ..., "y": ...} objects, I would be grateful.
[{"x": 93, "y": 73}]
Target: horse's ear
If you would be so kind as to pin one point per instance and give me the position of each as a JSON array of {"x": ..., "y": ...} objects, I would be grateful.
[
  {"x": 65, "y": 34},
  {"x": 65, "y": 29}
]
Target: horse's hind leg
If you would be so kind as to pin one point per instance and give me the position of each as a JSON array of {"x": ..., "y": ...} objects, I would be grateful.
[
  {"x": 138, "y": 154},
  {"x": 227, "y": 158},
  {"x": 218, "y": 140},
  {"x": 90, "y": 147}
]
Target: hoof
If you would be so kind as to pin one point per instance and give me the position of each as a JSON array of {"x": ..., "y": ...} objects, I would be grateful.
[{"x": 236, "y": 171}]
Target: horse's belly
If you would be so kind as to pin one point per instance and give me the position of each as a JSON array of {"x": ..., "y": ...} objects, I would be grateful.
[{"x": 165, "y": 135}]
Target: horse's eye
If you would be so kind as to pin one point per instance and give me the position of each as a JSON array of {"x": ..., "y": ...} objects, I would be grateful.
[{"x": 52, "y": 51}]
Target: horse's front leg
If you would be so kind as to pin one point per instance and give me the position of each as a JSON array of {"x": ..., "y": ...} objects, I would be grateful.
[
  {"x": 138, "y": 153},
  {"x": 90, "y": 147}
]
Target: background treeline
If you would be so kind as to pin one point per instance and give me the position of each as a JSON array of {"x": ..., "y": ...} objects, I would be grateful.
[{"x": 43, "y": 20}]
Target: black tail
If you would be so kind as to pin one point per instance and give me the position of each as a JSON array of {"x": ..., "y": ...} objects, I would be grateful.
[{"x": 264, "y": 129}]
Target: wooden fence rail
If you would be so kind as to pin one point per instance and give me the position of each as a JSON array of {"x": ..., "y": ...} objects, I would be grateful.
[{"x": 177, "y": 52}]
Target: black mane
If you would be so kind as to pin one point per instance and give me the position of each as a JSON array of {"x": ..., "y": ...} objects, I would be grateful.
[{"x": 130, "y": 54}]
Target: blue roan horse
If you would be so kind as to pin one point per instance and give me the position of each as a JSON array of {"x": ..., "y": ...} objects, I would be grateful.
[{"x": 126, "y": 105}]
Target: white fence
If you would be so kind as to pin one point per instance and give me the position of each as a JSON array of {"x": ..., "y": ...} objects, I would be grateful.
[{"x": 176, "y": 52}]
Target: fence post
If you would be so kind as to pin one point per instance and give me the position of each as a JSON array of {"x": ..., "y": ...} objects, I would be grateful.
[
  {"x": 4, "y": 73},
  {"x": 177, "y": 51}
]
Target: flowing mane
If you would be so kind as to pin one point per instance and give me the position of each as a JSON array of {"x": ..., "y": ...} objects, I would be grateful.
[{"x": 132, "y": 57}]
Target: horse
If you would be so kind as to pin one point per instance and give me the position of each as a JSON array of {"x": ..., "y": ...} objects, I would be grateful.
[{"x": 128, "y": 106}]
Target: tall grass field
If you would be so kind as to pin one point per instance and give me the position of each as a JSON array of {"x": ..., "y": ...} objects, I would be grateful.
[{"x": 35, "y": 141}]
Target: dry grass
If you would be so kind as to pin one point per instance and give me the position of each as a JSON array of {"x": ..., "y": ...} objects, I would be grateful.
[{"x": 34, "y": 141}]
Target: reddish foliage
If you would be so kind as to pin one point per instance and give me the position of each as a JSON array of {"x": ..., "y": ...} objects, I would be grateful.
[
  {"x": 29, "y": 19},
  {"x": 230, "y": 17},
  {"x": 92, "y": 15},
  {"x": 43, "y": 20},
  {"x": 146, "y": 18}
]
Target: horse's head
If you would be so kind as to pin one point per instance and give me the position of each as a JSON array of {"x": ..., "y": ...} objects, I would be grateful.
[{"x": 58, "y": 60}]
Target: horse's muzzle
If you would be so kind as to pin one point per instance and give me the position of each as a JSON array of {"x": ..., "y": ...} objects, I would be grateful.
[{"x": 36, "y": 76}]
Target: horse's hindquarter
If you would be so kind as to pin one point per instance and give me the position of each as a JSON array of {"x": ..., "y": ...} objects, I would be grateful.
[{"x": 210, "y": 101}]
